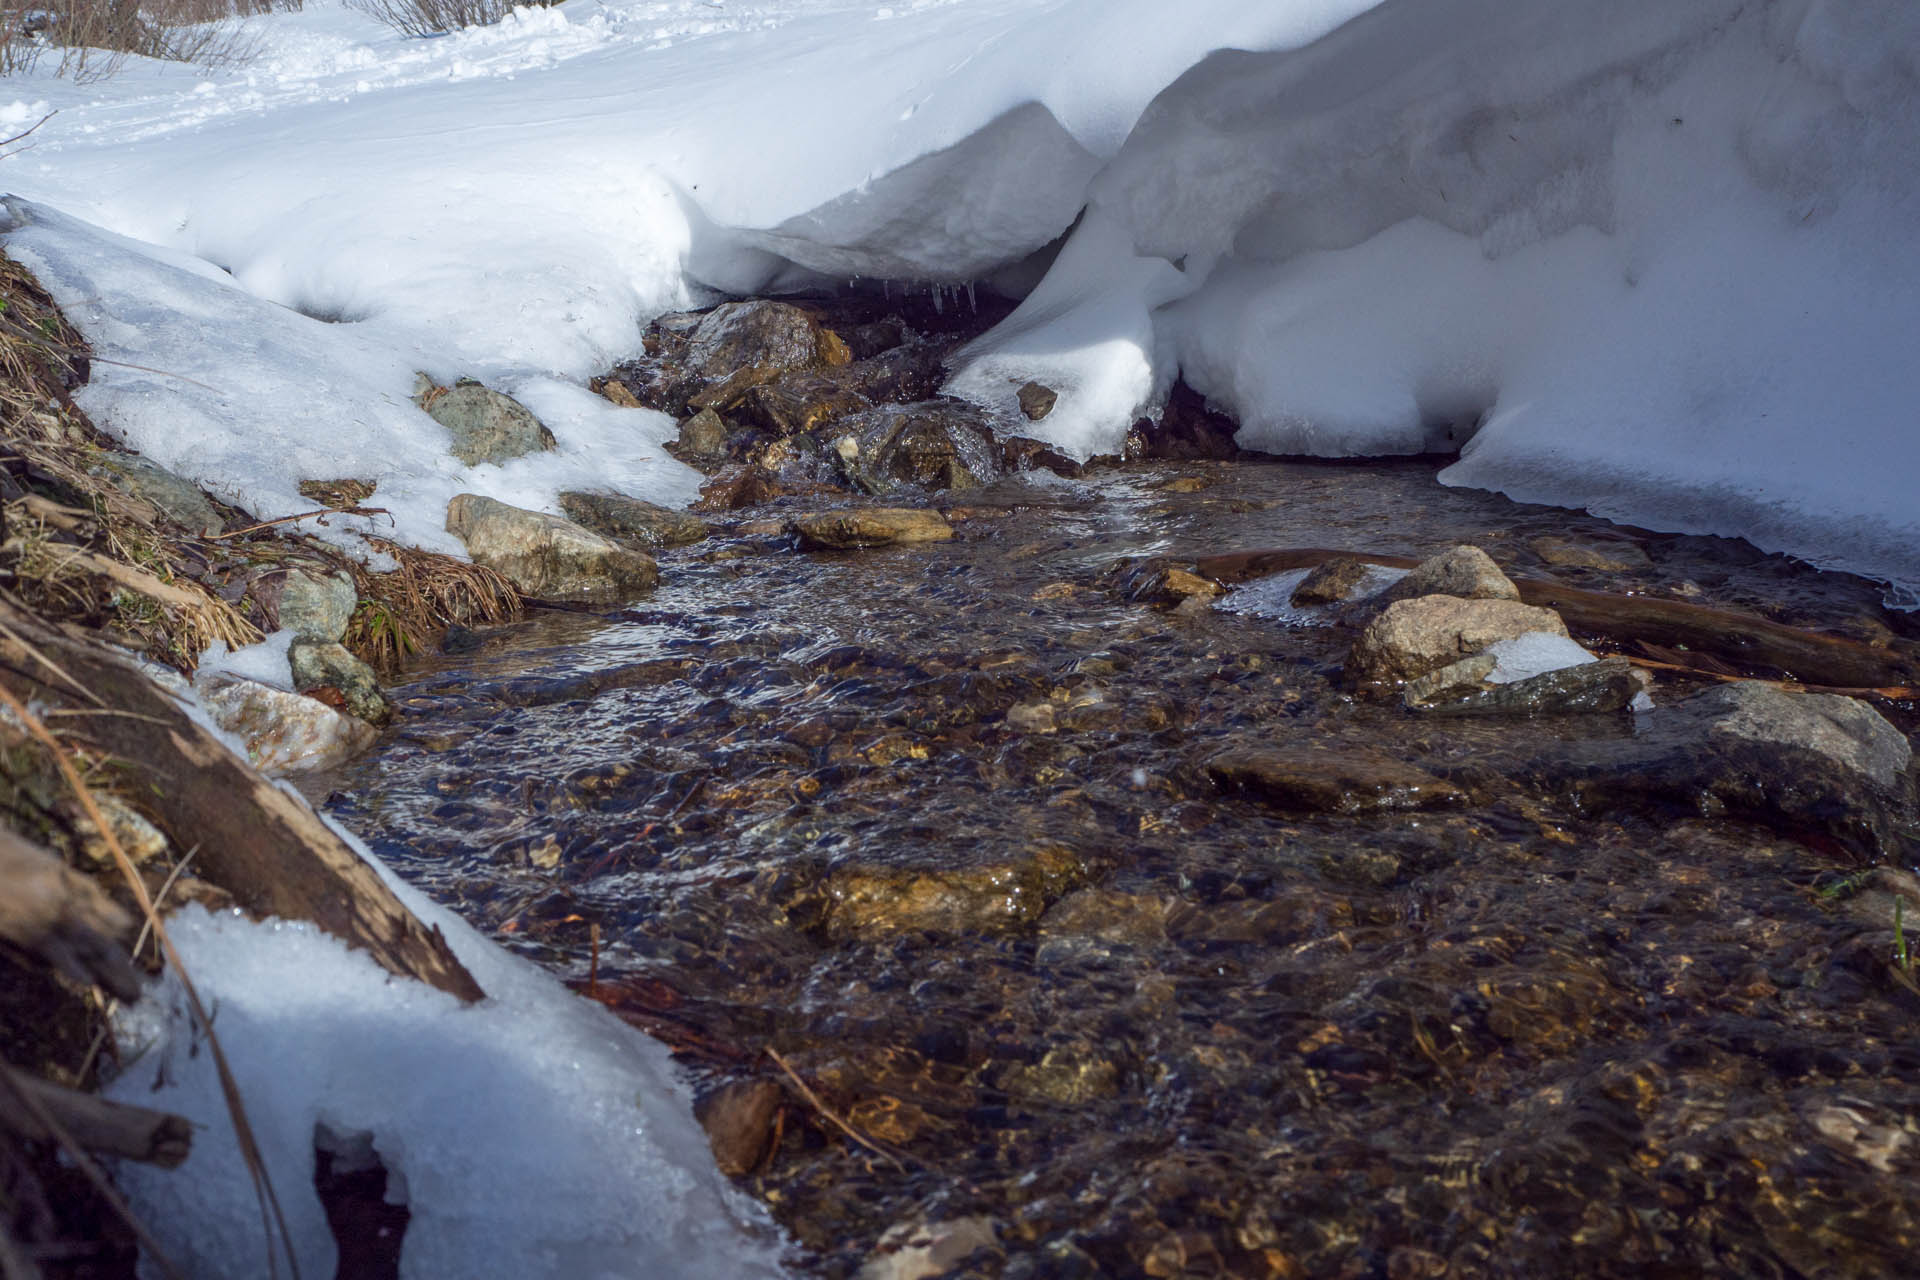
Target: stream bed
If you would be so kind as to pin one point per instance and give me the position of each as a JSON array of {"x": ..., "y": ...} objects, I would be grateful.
[{"x": 932, "y": 825}]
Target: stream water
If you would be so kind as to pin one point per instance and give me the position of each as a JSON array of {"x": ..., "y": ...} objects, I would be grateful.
[{"x": 807, "y": 803}]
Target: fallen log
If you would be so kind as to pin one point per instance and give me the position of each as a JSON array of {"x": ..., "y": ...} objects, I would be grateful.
[
  {"x": 1810, "y": 657},
  {"x": 94, "y": 1123},
  {"x": 260, "y": 844}
]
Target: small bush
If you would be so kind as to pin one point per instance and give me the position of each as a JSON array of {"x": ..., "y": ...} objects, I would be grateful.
[
  {"x": 436, "y": 17},
  {"x": 92, "y": 38}
]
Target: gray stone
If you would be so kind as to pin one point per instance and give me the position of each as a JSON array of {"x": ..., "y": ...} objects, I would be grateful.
[
  {"x": 179, "y": 500},
  {"x": 869, "y": 527},
  {"x": 486, "y": 425},
  {"x": 934, "y": 445},
  {"x": 1414, "y": 637},
  {"x": 548, "y": 557},
  {"x": 317, "y": 605},
  {"x": 624, "y": 519},
  {"x": 284, "y": 732},
  {"x": 1610, "y": 684},
  {"x": 1463, "y": 571},
  {"x": 1036, "y": 401},
  {"x": 1455, "y": 680},
  {"x": 330, "y": 665},
  {"x": 1806, "y": 760}
]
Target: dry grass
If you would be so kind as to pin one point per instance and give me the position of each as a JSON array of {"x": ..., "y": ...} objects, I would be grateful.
[{"x": 409, "y": 609}]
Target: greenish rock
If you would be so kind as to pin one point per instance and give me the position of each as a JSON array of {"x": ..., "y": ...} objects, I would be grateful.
[
  {"x": 316, "y": 605},
  {"x": 1070, "y": 1075},
  {"x": 180, "y": 500},
  {"x": 487, "y": 426},
  {"x": 330, "y": 665},
  {"x": 703, "y": 438},
  {"x": 630, "y": 520}
]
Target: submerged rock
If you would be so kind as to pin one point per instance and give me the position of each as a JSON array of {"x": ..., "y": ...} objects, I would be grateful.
[
  {"x": 924, "y": 1250},
  {"x": 547, "y": 557},
  {"x": 881, "y": 902},
  {"x": 330, "y": 666},
  {"x": 487, "y": 426},
  {"x": 284, "y": 732},
  {"x": 1414, "y": 637},
  {"x": 1333, "y": 582},
  {"x": 1329, "y": 782},
  {"x": 624, "y": 519},
  {"x": 869, "y": 527},
  {"x": 1812, "y": 760},
  {"x": 1578, "y": 553}
]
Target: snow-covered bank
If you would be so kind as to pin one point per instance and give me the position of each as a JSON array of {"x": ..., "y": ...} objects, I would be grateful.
[
  {"x": 1650, "y": 258},
  {"x": 531, "y": 1135}
]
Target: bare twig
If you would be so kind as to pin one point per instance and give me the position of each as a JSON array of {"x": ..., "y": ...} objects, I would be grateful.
[
  {"x": 304, "y": 515},
  {"x": 813, "y": 1100}
]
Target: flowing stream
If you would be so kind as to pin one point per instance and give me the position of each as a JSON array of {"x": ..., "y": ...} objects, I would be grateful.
[{"x": 931, "y": 824}]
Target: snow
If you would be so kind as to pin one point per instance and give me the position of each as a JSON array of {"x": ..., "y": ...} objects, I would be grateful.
[
  {"x": 531, "y": 1135},
  {"x": 264, "y": 662},
  {"x": 1650, "y": 259},
  {"x": 1534, "y": 654}
]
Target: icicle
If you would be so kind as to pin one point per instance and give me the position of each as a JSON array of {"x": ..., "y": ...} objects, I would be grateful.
[{"x": 973, "y": 303}]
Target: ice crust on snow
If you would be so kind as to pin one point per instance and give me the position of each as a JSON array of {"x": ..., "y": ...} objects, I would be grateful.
[
  {"x": 1534, "y": 654},
  {"x": 530, "y": 1135}
]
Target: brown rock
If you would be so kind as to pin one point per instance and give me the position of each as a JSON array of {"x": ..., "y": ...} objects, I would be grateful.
[
  {"x": 882, "y": 902},
  {"x": 1326, "y": 782},
  {"x": 739, "y": 1120},
  {"x": 740, "y": 485},
  {"x": 1036, "y": 401},
  {"x": 869, "y": 527},
  {"x": 1413, "y": 637}
]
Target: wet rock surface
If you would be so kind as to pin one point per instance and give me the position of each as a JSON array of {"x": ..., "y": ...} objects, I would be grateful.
[
  {"x": 939, "y": 828},
  {"x": 1415, "y": 637},
  {"x": 624, "y": 519},
  {"x": 547, "y": 557}
]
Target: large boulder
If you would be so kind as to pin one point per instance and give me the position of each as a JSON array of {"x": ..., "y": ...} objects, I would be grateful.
[
  {"x": 1413, "y": 637},
  {"x": 1811, "y": 761},
  {"x": 487, "y": 426},
  {"x": 548, "y": 557}
]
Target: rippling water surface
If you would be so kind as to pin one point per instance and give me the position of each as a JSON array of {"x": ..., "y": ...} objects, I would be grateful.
[{"x": 810, "y": 804}]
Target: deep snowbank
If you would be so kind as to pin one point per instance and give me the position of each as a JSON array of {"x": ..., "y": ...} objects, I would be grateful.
[
  {"x": 531, "y": 1135},
  {"x": 1652, "y": 258}
]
